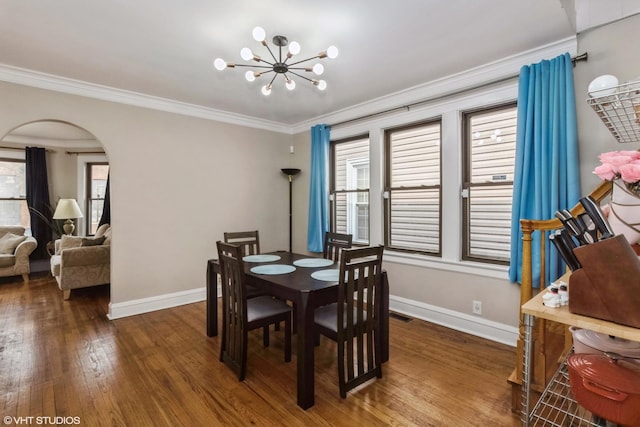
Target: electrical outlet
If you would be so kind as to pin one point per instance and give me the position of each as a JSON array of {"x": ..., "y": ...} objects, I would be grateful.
[{"x": 477, "y": 307}]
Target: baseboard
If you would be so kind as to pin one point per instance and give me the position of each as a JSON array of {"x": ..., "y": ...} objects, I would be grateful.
[
  {"x": 160, "y": 302},
  {"x": 473, "y": 325}
]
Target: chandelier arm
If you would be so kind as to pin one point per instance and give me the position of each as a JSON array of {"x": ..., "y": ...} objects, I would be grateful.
[
  {"x": 300, "y": 68},
  {"x": 304, "y": 60},
  {"x": 254, "y": 66},
  {"x": 300, "y": 75},
  {"x": 274, "y": 77},
  {"x": 270, "y": 52}
]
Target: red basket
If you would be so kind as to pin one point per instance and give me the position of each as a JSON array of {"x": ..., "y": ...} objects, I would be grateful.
[{"x": 606, "y": 388}]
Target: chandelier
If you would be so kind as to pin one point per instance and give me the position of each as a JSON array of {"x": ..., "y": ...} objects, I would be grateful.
[{"x": 280, "y": 65}]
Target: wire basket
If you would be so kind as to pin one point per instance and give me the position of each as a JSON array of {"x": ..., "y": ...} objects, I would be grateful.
[{"x": 620, "y": 111}]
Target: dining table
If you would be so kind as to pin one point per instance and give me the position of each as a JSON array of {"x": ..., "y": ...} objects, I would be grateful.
[{"x": 308, "y": 282}]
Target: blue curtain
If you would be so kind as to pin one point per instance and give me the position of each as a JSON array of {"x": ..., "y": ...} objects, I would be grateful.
[
  {"x": 319, "y": 188},
  {"x": 546, "y": 168}
]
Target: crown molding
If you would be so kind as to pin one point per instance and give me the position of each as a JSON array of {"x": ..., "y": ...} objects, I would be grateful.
[
  {"x": 40, "y": 80},
  {"x": 470, "y": 79}
]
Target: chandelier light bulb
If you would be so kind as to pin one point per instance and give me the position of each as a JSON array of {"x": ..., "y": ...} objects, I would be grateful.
[
  {"x": 290, "y": 84},
  {"x": 246, "y": 54},
  {"x": 250, "y": 76},
  {"x": 219, "y": 64},
  {"x": 294, "y": 48},
  {"x": 266, "y": 90},
  {"x": 259, "y": 34},
  {"x": 332, "y": 52},
  {"x": 318, "y": 69},
  {"x": 322, "y": 85}
]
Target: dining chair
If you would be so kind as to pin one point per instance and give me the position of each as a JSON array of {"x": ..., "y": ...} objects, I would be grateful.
[
  {"x": 241, "y": 315},
  {"x": 354, "y": 320},
  {"x": 249, "y": 240},
  {"x": 334, "y": 243}
]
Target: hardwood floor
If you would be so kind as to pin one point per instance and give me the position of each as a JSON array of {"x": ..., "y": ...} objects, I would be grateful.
[{"x": 66, "y": 359}]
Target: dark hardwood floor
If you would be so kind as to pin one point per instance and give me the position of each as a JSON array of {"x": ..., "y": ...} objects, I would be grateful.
[{"x": 66, "y": 359}]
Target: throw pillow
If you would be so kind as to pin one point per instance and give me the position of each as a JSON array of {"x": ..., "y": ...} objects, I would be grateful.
[
  {"x": 96, "y": 241},
  {"x": 107, "y": 236},
  {"x": 9, "y": 242},
  {"x": 68, "y": 242},
  {"x": 101, "y": 230}
]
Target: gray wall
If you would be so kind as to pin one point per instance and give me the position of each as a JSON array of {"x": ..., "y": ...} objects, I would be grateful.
[{"x": 177, "y": 183}]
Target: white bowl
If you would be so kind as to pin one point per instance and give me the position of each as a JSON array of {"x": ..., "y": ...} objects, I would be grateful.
[{"x": 603, "y": 85}]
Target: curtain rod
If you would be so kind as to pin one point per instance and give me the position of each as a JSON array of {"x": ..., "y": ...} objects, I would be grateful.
[
  {"x": 84, "y": 152},
  {"x": 23, "y": 148},
  {"x": 581, "y": 57}
]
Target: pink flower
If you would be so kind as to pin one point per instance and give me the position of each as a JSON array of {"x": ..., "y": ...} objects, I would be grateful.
[
  {"x": 615, "y": 158},
  {"x": 630, "y": 172},
  {"x": 614, "y": 162},
  {"x": 606, "y": 171},
  {"x": 634, "y": 154}
]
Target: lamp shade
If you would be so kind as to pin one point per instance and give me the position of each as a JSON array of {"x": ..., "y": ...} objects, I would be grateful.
[{"x": 66, "y": 209}]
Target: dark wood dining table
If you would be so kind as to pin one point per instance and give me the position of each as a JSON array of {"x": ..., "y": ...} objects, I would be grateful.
[{"x": 307, "y": 293}]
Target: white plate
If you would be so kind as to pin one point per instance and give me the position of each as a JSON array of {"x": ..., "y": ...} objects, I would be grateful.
[
  {"x": 313, "y": 262},
  {"x": 326, "y": 275},
  {"x": 261, "y": 258},
  {"x": 273, "y": 269},
  {"x": 330, "y": 275}
]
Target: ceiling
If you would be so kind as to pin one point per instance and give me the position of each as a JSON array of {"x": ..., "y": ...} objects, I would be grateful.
[{"x": 166, "y": 48}]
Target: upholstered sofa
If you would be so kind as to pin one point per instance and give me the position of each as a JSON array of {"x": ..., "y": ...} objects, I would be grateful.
[
  {"x": 80, "y": 262},
  {"x": 15, "y": 249}
]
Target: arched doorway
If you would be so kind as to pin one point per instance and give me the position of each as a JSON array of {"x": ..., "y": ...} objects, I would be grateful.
[{"x": 77, "y": 168}]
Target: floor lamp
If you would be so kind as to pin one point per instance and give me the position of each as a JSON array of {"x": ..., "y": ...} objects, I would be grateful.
[{"x": 290, "y": 173}]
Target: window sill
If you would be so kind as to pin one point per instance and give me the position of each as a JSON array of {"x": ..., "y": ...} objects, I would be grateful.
[{"x": 468, "y": 267}]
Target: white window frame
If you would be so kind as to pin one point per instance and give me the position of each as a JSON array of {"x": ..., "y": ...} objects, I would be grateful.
[
  {"x": 350, "y": 191},
  {"x": 353, "y": 205},
  {"x": 82, "y": 163},
  {"x": 468, "y": 252},
  {"x": 16, "y": 156}
]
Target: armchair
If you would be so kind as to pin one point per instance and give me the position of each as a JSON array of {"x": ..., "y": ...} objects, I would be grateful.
[
  {"x": 81, "y": 262},
  {"x": 15, "y": 249}
]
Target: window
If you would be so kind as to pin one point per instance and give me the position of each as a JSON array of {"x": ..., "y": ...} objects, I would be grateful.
[
  {"x": 13, "y": 194},
  {"x": 412, "y": 188},
  {"x": 489, "y": 157},
  {"x": 97, "y": 174},
  {"x": 350, "y": 188}
]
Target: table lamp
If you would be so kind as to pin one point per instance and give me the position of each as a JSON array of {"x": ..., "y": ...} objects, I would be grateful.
[{"x": 67, "y": 209}]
